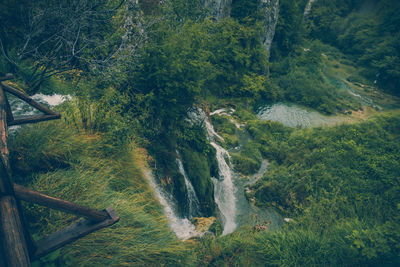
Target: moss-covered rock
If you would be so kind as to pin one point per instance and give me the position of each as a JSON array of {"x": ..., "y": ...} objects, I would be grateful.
[
  {"x": 244, "y": 165},
  {"x": 249, "y": 160},
  {"x": 199, "y": 171},
  {"x": 203, "y": 224}
]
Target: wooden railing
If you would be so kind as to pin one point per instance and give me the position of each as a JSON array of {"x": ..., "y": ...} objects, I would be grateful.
[{"x": 17, "y": 247}]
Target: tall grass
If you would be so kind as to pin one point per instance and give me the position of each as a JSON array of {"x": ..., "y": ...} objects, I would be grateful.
[{"x": 98, "y": 178}]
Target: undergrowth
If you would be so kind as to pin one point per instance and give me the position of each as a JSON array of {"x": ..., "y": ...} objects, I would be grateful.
[{"x": 96, "y": 177}]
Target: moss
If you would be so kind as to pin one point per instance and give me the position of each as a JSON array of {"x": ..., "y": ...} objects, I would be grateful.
[
  {"x": 244, "y": 115},
  {"x": 249, "y": 160},
  {"x": 222, "y": 124},
  {"x": 244, "y": 165},
  {"x": 217, "y": 227},
  {"x": 198, "y": 170}
]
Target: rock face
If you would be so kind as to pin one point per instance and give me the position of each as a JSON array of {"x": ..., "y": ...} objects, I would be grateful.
[
  {"x": 219, "y": 8},
  {"x": 203, "y": 224},
  {"x": 307, "y": 10},
  {"x": 271, "y": 8}
]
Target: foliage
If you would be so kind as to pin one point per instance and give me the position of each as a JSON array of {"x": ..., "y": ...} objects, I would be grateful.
[
  {"x": 245, "y": 10},
  {"x": 340, "y": 181},
  {"x": 44, "y": 38},
  {"x": 367, "y": 31},
  {"x": 249, "y": 159},
  {"x": 98, "y": 178},
  {"x": 300, "y": 79},
  {"x": 289, "y": 29}
]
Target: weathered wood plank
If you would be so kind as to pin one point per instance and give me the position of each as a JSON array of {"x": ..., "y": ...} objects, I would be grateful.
[
  {"x": 27, "y": 99},
  {"x": 6, "y": 77},
  {"x": 12, "y": 236},
  {"x": 33, "y": 119},
  {"x": 32, "y": 196},
  {"x": 71, "y": 233},
  {"x": 12, "y": 233}
]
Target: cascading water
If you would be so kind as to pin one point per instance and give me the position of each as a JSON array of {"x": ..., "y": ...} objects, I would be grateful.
[
  {"x": 219, "y": 8},
  {"x": 224, "y": 191},
  {"x": 229, "y": 189},
  {"x": 182, "y": 227},
  {"x": 20, "y": 108},
  {"x": 271, "y": 19},
  {"x": 193, "y": 200}
]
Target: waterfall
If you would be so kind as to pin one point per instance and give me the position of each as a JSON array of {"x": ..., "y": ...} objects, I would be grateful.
[
  {"x": 307, "y": 10},
  {"x": 224, "y": 189},
  {"x": 182, "y": 227},
  {"x": 219, "y": 8},
  {"x": 193, "y": 201},
  {"x": 271, "y": 19}
]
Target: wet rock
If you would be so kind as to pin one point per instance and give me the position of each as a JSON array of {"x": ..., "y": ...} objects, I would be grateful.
[{"x": 203, "y": 224}]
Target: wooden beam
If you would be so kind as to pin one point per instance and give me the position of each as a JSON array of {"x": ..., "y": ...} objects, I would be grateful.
[
  {"x": 32, "y": 119},
  {"x": 13, "y": 239},
  {"x": 27, "y": 99},
  {"x": 12, "y": 233},
  {"x": 6, "y": 77},
  {"x": 32, "y": 196},
  {"x": 72, "y": 233}
]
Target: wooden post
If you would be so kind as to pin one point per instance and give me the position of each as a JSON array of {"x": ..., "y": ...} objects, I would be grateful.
[{"x": 12, "y": 234}]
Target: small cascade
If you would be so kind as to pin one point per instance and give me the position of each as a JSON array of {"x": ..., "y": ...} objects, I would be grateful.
[
  {"x": 271, "y": 20},
  {"x": 224, "y": 191},
  {"x": 193, "y": 200},
  {"x": 20, "y": 108},
  {"x": 307, "y": 10},
  {"x": 224, "y": 188},
  {"x": 182, "y": 227},
  {"x": 219, "y": 8}
]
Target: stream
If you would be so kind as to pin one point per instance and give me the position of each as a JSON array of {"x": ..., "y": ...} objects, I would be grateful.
[{"x": 292, "y": 115}]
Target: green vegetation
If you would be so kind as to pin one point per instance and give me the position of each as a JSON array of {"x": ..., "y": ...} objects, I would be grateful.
[
  {"x": 98, "y": 178},
  {"x": 341, "y": 183},
  {"x": 136, "y": 70},
  {"x": 367, "y": 31}
]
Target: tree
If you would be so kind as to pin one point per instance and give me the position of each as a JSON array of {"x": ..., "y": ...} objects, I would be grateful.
[{"x": 42, "y": 38}]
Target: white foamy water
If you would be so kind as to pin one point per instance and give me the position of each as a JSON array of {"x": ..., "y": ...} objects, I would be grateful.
[
  {"x": 224, "y": 111},
  {"x": 224, "y": 188},
  {"x": 210, "y": 130},
  {"x": 21, "y": 108},
  {"x": 224, "y": 191},
  {"x": 52, "y": 100},
  {"x": 182, "y": 227},
  {"x": 193, "y": 200}
]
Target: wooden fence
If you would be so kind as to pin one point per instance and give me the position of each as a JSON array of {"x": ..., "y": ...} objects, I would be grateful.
[{"x": 17, "y": 247}]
